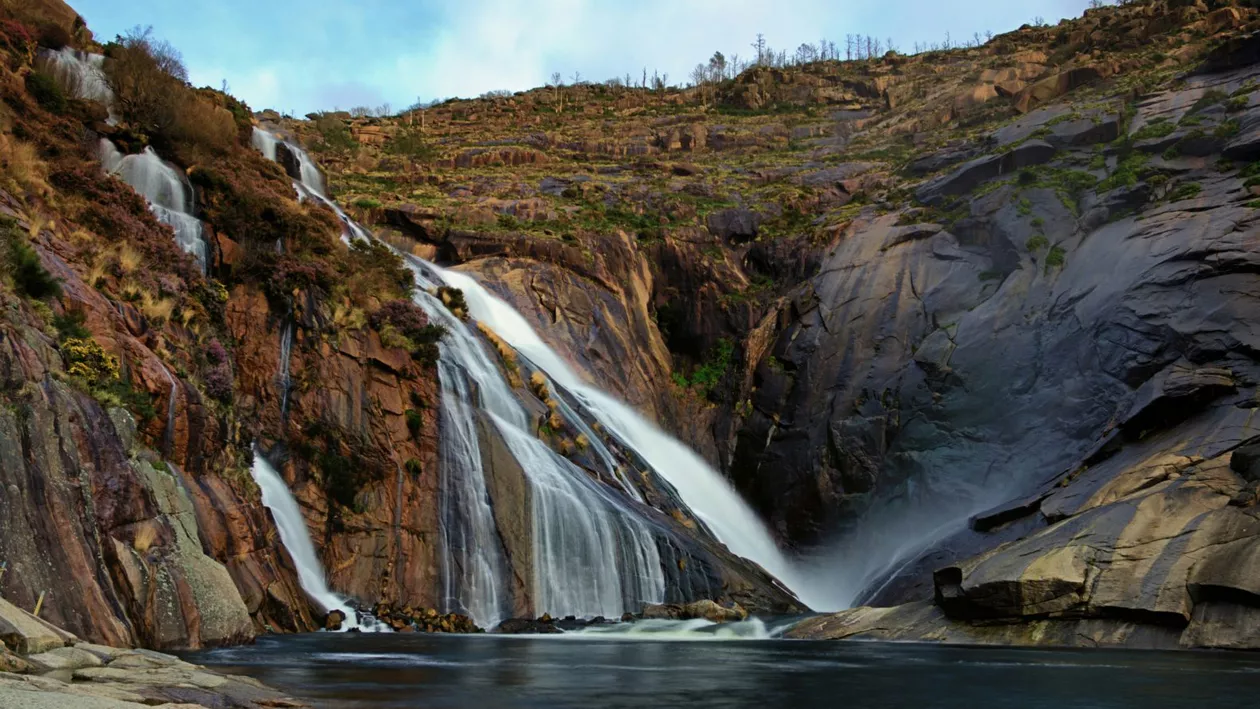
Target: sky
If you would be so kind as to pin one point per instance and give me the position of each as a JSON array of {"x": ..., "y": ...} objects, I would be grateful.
[{"x": 298, "y": 57}]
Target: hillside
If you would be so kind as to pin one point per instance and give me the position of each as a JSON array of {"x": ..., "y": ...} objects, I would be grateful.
[
  {"x": 971, "y": 330},
  {"x": 887, "y": 296}
]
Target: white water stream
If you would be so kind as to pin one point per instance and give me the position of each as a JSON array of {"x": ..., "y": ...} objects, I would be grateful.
[{"x": 594, "y": 553}]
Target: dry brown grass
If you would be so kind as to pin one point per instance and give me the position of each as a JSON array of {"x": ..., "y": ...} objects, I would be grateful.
[
  {"x": 146, "y": 536},
  {"x": 129, "y": 259},
  {"x": 21, "y": 169}
]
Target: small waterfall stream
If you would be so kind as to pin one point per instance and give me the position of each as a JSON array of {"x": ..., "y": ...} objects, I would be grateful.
[
  {"x": 80, "y": 74},
  {"x": 167, "y": 190},
  {"x": 594, "y": 552},
  {"x": 284, "y": 380},
  {"x": 297, "y": 540}
]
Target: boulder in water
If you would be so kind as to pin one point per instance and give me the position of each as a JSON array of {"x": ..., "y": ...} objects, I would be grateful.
[
  {"x": 706, "y": 609},
  {"x": 525, "y": 626},
  {"x": 334, "y": 620}
]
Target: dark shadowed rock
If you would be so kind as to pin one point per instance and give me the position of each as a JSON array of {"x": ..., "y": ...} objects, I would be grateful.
[{"x": 971, "y": 175}]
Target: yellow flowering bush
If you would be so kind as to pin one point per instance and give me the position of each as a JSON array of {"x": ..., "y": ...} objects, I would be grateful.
[{"x": 89, "y": 361}]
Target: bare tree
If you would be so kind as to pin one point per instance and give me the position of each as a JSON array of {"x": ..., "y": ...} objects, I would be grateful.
[
  {"x": 760, "y": 47},
  {"x": 577, "y": 78}
]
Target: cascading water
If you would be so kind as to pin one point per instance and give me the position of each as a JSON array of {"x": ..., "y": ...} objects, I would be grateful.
[
  {"x": 80, "y": 74},
  {"x": 583, "y": 533},
  {"x": 297, "y": 540},
  {"x": 309, "y": 182},
  {"x": 705, "y": 492},
  {"x": 285, "y": 381},
  {"x": 169, "y": 442},
  {"x": 167, "y": 191},
  {"x": 594, "y": 553}
]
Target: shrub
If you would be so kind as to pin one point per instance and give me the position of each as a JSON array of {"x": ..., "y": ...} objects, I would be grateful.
[
  {"x": 414, "y": 467},
  {"x": 147, "y": 77},
  {"x": 1055, "y": 258},
  {"x": 453, "y": 299},
  {"x": 87, "y": 360},
  {"x": 411, "y": 143},
  {"x": 1186, "y": 190},
  {"x": 218, "y": 381},
  {"x": 405, "y": 325},
  {"x": 216, "y": 353},
  {"x": 1037, "y": 243},
  {"x": 70, "y": 326},
  {"x": 334, "y": 136},
  {"x": 415, "y": 423},
  {"x": 17, "y": 37},
  {"x": 46, "y": 92},
  {"x": 30, "y": 278}
]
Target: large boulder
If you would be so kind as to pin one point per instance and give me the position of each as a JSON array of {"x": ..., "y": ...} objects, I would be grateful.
[
  {"x": 735, "y": 226},
  {"x": 27, "y": 634}
]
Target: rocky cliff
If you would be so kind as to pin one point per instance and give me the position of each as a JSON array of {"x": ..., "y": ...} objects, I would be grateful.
[
  {"x": 140, "y": 378},
  {"x": 977, "y": 323}
]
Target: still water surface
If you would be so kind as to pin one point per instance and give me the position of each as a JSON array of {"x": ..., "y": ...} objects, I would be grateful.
[{"x": 362, "y": 671}]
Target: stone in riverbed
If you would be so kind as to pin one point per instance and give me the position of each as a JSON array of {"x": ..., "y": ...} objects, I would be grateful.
[
  {"x": 334, "y": 620},
  {"x": 706, "y": 609}
]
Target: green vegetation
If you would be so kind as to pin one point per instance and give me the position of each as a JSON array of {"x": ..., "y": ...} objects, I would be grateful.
[
  {"x": 1158, "y": 128},
  {"x": 334, "y": 136},
  {"x": 415, "y": 423},
  {"x": 367, "y": 203},
  {"x": 1055, "y": 258},
  {"x": 1186, "y": 190},
  {"x": 1209, "y": 98},
  {"x": 46, "y": 91},
  {"x": 411, "y": 143},
  {"x": 414, "y": 467},
  {"x": 20, "y": 263},
  {"x": 707, "y": 376},
  {"x": 1037, "y": 242},
  {"x": 1228, "y": 129},
  {"x": 1127, "y": 172}
]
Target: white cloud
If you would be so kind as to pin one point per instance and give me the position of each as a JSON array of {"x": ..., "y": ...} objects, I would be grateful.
[{"x": 507, "y": 44}]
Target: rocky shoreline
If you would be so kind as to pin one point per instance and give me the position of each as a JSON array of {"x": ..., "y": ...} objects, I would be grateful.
[{"x": 44, "y": 667}]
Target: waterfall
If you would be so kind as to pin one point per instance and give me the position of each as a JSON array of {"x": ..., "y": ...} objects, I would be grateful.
[
  {"x": 169, "y": 438},
  {"x": 296, "y": 538},
  {"x": 285, "y": 382},
  {"x": 595, "y": 552},
  {"x": 80, "y": 74},
  {"x": 594, "y": 557},
  {"x": 708, "y": 495},
  {"x": 309, "y": 183},
  {"x": 167, "y": 190},
  {"x": 264, "y": 143}
]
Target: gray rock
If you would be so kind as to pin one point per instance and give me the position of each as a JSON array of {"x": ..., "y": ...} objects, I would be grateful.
[
  {"x": 1084, "y": 131},
  {"x": 735, "y": 225},
  {"x": 972, "y": 174},
  {"x": 67, "y": 658}
]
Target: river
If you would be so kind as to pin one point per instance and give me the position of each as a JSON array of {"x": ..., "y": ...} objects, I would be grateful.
[{"x": 379, "y": 671}]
